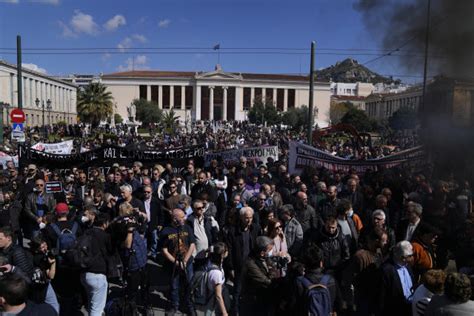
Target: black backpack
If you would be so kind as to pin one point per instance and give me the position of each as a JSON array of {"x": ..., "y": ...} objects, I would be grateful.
[
  {"x": 200, "y": 294},
  {"x": 81, "y": 255}
]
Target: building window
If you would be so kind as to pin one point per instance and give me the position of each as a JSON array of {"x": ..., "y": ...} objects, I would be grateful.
[
  {"x": 143, "y": 91},
  {"x": 154, "y": 94},
  {"x": 188, "y": 97},
  {"x": 291, "y": 98},
  {"x": 247, "y": 97},
  {"x": 177, "y": 97},
  {"x": 166, "y": 97},
  {"x": 280, "y": 99}
]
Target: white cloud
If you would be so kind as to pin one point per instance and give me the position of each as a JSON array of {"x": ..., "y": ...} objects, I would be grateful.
[
  {"x": 129, "y": 40},
  {"x": 136, "y": 63},
  {"x": 164, "y": 23},
  {"x": 124, "y": 44},
  {"x": 67, "y": 32},
  {"x": 33, "y": 67},
  {"x": 83, "y": 23},
  {"x": 139, "y": 38},
  {"x": 115, "y": 22}
]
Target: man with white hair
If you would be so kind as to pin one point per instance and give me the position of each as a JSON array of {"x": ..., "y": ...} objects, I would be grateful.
[
  {"x": 126, "y": 193},
  {"x": 240, "y": 239},
  {"x": 397, "y": 282}
]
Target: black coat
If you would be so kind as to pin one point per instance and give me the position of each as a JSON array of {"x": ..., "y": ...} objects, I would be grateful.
[
  {"x": 391, "y": 300},
  {"x": 234, "y": 240},
  {"x": 335, "y": 249}
]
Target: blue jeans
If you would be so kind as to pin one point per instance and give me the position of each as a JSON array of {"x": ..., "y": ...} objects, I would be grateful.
[
  {"x": 181, "y": 279},
  {"x": 96, "y": 287},
  {"x": 153, "y": 243},
  {"x": 51, "y": 298}
]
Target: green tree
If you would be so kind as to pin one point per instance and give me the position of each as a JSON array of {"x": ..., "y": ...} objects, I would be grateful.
[
  {"x": 337, "y": 110},
  {"x": 403, "y": 118},
  {"x": 360, "y": 120},
  {"x": 94, "y": 104},
  {"x": 264, "y": 111},
  {"x": 170, "y": 121},
  {"x": 118, "y": 118},
  {"x": 147, "y": 111},
  {"x": 290, "y": 118}
]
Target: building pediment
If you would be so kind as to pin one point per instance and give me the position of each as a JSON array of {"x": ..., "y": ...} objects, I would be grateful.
[{"x": 218, "y": 75}]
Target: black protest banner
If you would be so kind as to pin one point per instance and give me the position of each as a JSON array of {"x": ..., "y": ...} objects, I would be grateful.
[
  {"x": 303, "y": 156},
  {"x": 105, "y": 156}
]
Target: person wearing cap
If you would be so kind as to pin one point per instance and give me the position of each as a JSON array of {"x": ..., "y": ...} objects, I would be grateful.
[
  {"x": 67, "y": 280},
  {"x": 37, "y": 205},
  {"x": 396, "y": 282}
]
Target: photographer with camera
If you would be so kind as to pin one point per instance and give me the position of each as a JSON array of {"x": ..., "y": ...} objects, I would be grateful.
[
  {"x": 138, "y": 207},
  {"x": 44, "y": 261},
  {"x": 133, "y": 253},
  {"x": 178, "y": 246}
]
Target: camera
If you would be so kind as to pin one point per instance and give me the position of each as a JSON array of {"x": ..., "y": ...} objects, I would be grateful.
[
  {"x": 280, "y": 262},
  {"x": 52, "y": 253}
]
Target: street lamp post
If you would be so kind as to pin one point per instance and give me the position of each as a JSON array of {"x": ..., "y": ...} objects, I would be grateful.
[{"x": 48, "y": 105}]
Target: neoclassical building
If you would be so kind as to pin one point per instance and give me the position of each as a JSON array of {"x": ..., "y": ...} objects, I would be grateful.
[
  {"x": 216, "y": 95},
  {"x": 62, "y": 96}
]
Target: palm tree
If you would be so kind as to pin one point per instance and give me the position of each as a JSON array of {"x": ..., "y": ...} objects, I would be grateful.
[
  {"x": 170, "y": 121},
  {"x": 94, "y": 104}
]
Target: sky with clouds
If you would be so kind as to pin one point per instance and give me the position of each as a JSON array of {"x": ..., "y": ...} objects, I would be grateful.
[{"x": 180, "y": 35}]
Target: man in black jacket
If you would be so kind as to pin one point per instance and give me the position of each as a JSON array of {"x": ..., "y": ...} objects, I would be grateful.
[
  {"x": 202, "y": 186},
  {"x": 331, "y": 241},
  {"x": 17, "y": 257},
  {"x": 240, "y": 239},
  {"x": 94, "y": 278},
  {"x": 396, "y": 282}
]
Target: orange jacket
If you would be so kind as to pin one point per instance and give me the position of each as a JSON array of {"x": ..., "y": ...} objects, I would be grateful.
[
  {"x": 357, "y": 222},
  {"x": 422, "y": 258}
]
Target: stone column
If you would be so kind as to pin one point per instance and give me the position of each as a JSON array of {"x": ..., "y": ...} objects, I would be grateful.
[
  {"x": 171, "y": 97},
  {"x": 275, "y": 96},
  {"x": 197, "y": 103},
  {"x": 211, "y": 103},
  {"x": 224, "y": 105},
  {"x": 239, "y": 91},
  {"x": 183, "y": 97},
  {"x": 160, "y": 97},
  {"x": 285, "y": 100},
  {"x": 252, "y": 96},
  {"x": 148, "y": 93}
]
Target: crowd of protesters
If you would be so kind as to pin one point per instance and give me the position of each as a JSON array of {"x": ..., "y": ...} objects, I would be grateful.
[{"x": 242, "y": 239}]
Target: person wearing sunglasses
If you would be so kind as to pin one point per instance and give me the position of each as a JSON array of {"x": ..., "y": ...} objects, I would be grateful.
[{"x": 38, "y": 204}]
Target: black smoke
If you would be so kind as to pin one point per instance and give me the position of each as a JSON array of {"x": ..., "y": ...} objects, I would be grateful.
[{"x": 402, "y": 23}]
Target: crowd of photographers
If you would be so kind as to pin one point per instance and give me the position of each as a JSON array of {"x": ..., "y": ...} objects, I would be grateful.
[{"x": 241, "y": 239}]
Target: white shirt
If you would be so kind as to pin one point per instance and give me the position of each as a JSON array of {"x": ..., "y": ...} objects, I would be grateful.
[
  {"x": 410, "y": 230},
  {"x": 202, "y": 242},
  {"x": 147, "y": 209}
]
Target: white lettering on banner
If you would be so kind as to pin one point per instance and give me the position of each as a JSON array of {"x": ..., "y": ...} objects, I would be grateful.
[
  {"x": 62, "y": 148},
  {"x": 255, "y": 153},
  {"x": 302, "y": 156}
]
